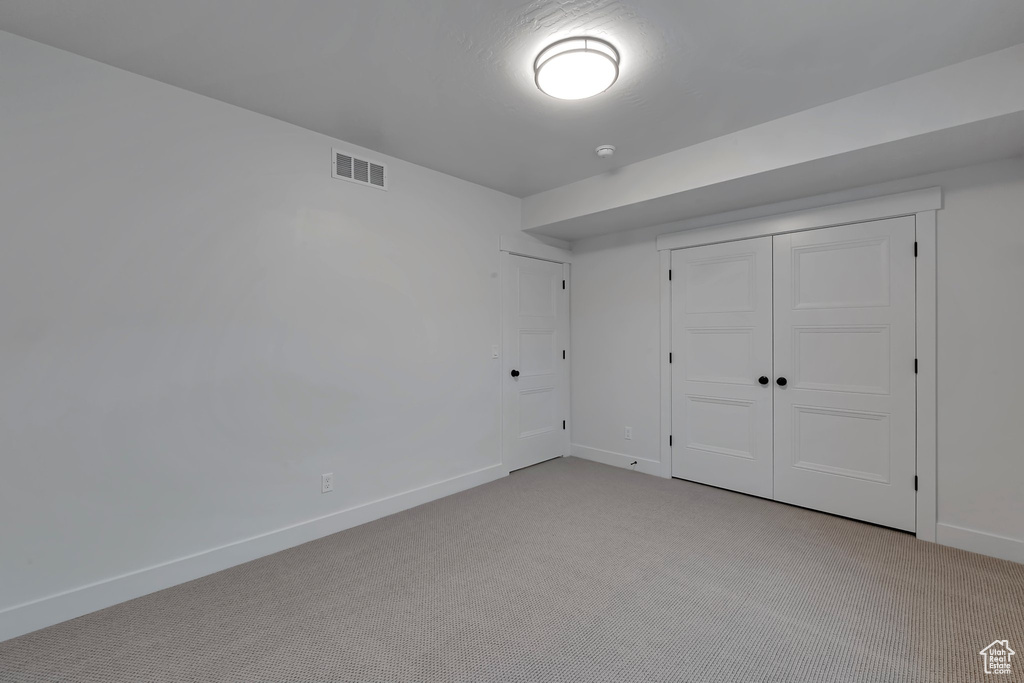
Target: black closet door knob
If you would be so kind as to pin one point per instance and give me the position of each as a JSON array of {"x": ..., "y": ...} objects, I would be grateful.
[
  {"x": 781, "y": 381},
  {"x": 763, "y": 380},
  {"x": 515, "y": 373}
]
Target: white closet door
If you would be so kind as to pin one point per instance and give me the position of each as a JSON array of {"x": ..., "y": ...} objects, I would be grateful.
[
  {"x": 535, "y": 387},
  {"x": 844, "y": 350},
  {"x": 722, "y": 341}
]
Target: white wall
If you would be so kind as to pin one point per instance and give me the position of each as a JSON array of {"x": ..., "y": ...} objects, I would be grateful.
[
  {"x": 198, "y": 322},
  {"x": 615, "y": 328},
  {"x": 616, "y": 349}
]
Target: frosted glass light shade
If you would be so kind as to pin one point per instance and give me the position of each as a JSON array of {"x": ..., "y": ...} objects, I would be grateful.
[{"x": 576, "y": 68}]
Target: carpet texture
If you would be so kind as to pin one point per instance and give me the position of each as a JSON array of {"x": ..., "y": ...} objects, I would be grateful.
[{"x": 567, "y": 571}]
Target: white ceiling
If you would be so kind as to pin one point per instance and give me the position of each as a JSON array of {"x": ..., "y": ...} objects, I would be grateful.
[{"x": 448, "y": 83}]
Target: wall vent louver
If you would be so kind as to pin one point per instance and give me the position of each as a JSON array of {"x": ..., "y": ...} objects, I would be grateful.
[{"x": 361, "y": 171}]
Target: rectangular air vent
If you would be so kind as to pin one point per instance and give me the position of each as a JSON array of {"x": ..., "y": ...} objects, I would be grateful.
[{"x": 361, "y": 171}]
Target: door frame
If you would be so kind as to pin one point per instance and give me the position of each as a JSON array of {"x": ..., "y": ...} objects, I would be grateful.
[
  {"x": 516, "y": 246},
  {"x": 922, "y": 205}
]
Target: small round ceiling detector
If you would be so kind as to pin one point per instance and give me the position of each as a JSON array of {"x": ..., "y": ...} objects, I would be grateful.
[
  {"x": 576, "y": 68},
  {"x": 605, "y": 151}
]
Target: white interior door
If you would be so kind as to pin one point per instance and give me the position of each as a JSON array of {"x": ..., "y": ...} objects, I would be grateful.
[
  {"x": 535, "y": 389},
  {"x": 722, "y": 348},
  {"x": 844, "y": 350}
]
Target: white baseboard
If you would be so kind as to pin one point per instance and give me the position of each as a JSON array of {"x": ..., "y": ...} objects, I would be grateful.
[
  {"x": 980, "y": 542},
  {"x": 644, "y": 465},
  {"x": 30, "y": 616}
]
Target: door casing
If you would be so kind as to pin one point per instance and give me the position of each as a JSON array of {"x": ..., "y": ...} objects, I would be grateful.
[
  {"x": 922, "y": 205},
  {"x": 543, "y": 252}
]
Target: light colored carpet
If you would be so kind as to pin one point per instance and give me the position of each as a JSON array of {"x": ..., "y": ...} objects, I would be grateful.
[{"x": 568, "y": 571}]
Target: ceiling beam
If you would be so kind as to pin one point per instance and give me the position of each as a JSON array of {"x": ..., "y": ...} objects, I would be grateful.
[{"x": 965, "y": 113}]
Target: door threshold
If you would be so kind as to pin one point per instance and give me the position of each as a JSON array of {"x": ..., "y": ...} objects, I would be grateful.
[
  {"x": 800, "y": 507},
  {"x": 520, "y": 469}
]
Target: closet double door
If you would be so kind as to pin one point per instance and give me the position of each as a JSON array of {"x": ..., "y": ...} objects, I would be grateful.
[{"x": 793, "y": 369}]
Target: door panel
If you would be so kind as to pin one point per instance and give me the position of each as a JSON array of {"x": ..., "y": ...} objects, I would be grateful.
[
  {"x": 722, "y": 327},
  {"x": 844, "y": 341},
  {"x": 851, "y": 273},
  {"x": 723, "y": 426},
  {"x": 537, "y": 354},
  {"x": 720, "y": 284},
  {"x": 841, "y": 359},
  {"x": 536, "y": 331},
  {"x": 720, "y": 355},
  {"x": 538, "y": 412},
  {"x": 850, "y": 443}
]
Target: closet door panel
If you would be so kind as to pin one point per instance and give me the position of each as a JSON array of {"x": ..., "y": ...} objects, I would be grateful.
[
  {"x": 721, "y": 336},
  {"x": 844, "y": 344}
]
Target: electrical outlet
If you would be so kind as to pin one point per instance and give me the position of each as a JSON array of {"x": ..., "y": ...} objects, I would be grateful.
[
  {"x": 327, "y": 482},
  {"x": 629, "y": 433}
]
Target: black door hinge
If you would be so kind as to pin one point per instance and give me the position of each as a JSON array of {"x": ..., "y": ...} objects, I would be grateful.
[
  {"x": 915, "y": 366},
  {"x": 563, "y": 424},
  {"x": 669, "y": 356},
  {"x": 670, "y": 440},
  {"x": 563, "y": 354},
  {"x": 915, "y": 482},
  {"x": 915, "y": 248},
  {"x": 563, "y": 284},
  {"x": 669, "y": 273}
]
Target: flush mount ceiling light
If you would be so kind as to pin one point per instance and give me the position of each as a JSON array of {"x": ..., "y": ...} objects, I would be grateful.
[{"x": 576, "y": 68}]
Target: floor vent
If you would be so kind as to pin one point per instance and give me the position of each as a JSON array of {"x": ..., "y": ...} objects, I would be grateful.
[{"x": 355, "y": 170}]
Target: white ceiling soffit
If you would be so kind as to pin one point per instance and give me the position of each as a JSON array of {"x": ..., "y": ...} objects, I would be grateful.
[
  {"x": 962, "y": 114},
  {"x": 448, "y": 84}
]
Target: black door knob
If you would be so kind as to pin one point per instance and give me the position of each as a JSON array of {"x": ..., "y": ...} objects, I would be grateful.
[
  {"x": 763, "y": 380},
  {"x": 781, "y": 381},
  {"x": 515, "y": 373}
]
